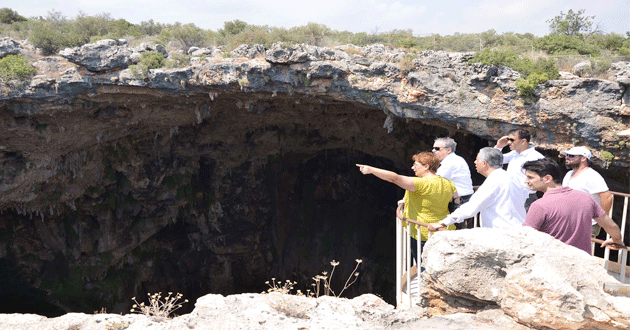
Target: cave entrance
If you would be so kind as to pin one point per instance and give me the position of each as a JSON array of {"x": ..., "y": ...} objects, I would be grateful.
[{"x": 259, "y": 186}]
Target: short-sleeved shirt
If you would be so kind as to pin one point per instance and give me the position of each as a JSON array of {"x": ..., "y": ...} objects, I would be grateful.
[
  {"x": 429, "y": 203},
  {"x": 565, "y": 214},
  {"x": 588, "y": 181}
]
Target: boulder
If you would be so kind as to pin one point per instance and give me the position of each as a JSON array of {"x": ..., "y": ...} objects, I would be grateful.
[
  {"x": 9, "y": 46},
  {"x": 248, "y": 51},
  {"x": 208, "y": 51},
  {"x": 101, "y": 56},
  {"x": 536, "y": 279},
  {"x": 282, "y": 54},
  {"x": 581, "y": 69}
]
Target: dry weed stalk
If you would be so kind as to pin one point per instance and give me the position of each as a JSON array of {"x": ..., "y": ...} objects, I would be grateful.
[
  {"x": 277, "y": 286},
  {"x": 157, "y": 308},
  {"x": 326, "y": 280}
]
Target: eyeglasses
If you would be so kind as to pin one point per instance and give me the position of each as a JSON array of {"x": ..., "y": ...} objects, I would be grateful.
[
  {"x": 416, "y": 164},
  {"x": 511, "y": 139}
]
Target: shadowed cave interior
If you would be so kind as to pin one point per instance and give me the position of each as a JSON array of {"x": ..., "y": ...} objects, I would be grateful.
[{"x": 219, "y": 206}]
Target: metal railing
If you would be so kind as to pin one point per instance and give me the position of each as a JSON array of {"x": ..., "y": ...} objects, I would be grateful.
[
  {"x": 408, "y": 281},
  {"x": 619, "y": 269}
]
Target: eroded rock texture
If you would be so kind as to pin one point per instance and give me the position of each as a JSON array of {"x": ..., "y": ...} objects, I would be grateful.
[
  {"x": 537, "y": 280},
  {"x": 216, "y": 177}
]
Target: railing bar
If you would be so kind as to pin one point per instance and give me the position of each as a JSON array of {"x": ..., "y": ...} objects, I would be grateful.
[
  {"x": 620, "y": 194},
  {"x": 398, "y": 263},
  {"x": 623, "y": 261},
  {"x": 624, "y": 219},
  {"x": 418, "y": 265},
  {"x": 408, "y": 263}
]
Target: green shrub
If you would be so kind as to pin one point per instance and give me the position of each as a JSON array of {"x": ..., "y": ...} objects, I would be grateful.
[
  {"x": 176, "y": 60},
  {"x": 8, "y": 16},
  {"x": 523, "y": 65},
  {"x": 15, "y": 67},
  {"x": 151, "y": 60},
  {"x": 599, "y": 66},
  {"x": 187, "y": 35},
  {"x": 148, "y": 60},
  {"x": 562, "y": 44},
  {"x": 495, "y": 57},
  {"x": 526, "y": 87},
  {"x": 406, "y": 64}
]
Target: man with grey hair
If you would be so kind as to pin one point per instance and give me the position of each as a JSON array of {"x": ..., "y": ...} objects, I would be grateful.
[
  {"x": 454, "y": 168},
  {"x": 497, "y": 199}
]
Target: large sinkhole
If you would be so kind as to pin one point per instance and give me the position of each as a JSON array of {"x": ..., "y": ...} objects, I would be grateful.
[{"x": 156, "y": 194}]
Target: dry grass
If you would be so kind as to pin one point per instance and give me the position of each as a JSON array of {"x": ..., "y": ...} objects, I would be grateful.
[{"x": 157, "y": 308}]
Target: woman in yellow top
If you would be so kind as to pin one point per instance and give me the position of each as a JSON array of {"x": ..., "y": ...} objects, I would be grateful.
[{"x": 426, "y": 197}]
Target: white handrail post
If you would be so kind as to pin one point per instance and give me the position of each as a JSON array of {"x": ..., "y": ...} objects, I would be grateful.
[
  {"x": 622, "y": 256},
  {"x": 623, "y": 259},
  {"x": 398, "y": 262},
  {"x": 409, "y": 261},
  {"x": 419, "y": 264}
]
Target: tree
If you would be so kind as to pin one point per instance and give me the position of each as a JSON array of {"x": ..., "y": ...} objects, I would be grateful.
[
  {"x": 572, "y": 23},
  {"x": 232, "y": 28},
  {"x": 187, "y": 35},
  {"x": 8, "y": 16}
]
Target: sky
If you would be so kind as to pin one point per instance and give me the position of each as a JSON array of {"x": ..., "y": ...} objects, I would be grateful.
[{"x": 424, "y": 17}]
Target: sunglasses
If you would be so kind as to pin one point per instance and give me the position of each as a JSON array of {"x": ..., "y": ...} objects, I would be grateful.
[
  {"x": 511, "y": 139},
  {"x": 437, "y": 148}
]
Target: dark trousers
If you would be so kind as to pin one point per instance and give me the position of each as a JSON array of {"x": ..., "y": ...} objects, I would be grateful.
[
  {"x": 467, "y": 223},
  {"x": 413, "y": 245}
]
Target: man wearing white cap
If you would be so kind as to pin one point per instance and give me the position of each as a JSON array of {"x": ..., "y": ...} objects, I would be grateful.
[{"x": 583, "y": 177}]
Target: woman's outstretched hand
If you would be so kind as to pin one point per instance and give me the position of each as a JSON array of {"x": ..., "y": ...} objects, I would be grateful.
[{"x": 365, "y": 169}]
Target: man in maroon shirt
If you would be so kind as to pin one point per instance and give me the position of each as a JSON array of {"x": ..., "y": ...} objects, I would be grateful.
[{"x": 565, "y": 213}]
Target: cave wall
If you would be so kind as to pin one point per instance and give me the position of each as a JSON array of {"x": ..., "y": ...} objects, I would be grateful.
[{"x": 221, "y": 205}]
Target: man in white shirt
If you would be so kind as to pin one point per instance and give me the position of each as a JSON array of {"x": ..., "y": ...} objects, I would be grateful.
[
  {"x": 521, "y": 152},
  {"x": 454, "y": 168},
  {"x": 496, "y": 199},
  {"x": 583, "y": 177}
]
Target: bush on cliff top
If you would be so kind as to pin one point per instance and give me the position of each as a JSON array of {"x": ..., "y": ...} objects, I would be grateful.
[
  {"x": 15, "y": 67},
  {"x": 532, "y": 73},
  {"x": 148, "y": 60}
]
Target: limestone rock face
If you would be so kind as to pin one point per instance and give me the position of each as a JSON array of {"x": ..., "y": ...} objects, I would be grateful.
[
  {"x": 9, "y": 46},
  {"x": 241, "y": 169},
  {"x": 101, "y": 56},
  {"x": 248, "y": 51},
  {"x": 534, "y": 278},
  {"x": 273, "y": 311}
]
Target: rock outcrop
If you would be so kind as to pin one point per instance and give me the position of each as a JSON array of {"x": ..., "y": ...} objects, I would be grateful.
[
  {"x": 216, "y": 176},
  {"x": 9, "y": 46},
  {"x": 502, "y": 279},
  {"x": 536, "y": 279}
]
